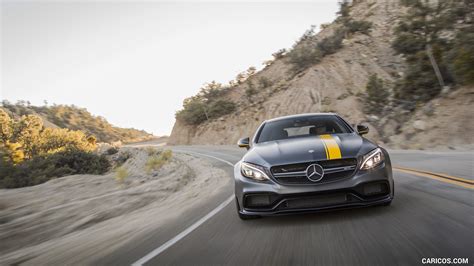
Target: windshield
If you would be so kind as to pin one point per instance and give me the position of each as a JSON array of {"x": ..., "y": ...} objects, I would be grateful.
[{"x": 302, "y": 127}]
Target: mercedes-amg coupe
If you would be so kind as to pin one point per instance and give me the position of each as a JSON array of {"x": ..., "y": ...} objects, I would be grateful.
[{"x": 310, "y": 162}]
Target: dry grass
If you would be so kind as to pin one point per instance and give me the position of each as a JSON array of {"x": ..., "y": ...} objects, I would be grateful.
[
  {"x": 155, "y": 162},
  {"x": 151, "y": 151},
  {"x": 121, "y": 173}
]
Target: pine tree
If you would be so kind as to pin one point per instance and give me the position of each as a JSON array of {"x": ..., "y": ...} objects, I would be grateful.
[
  {"x": 418, "y": 36},
  {"x": 377, "y": 95}
]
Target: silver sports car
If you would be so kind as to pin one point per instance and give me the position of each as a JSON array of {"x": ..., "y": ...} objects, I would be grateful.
[{"x": 310, "y": 162}]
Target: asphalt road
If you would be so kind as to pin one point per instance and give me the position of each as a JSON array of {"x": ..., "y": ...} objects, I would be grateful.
[{"x": 428, "y": 219}]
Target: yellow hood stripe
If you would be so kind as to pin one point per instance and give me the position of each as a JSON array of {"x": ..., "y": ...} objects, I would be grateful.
[{"x": 332, "y": 148}]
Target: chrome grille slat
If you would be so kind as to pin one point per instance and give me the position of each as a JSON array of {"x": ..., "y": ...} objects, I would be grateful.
[
  {"x": 339, "y": 169},
  {"x": 343, "y": 168},
  {"x": 299, "y": 173}
]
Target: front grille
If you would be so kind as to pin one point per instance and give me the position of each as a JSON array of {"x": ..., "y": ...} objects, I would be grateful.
[{"x": 296, "y": 173}]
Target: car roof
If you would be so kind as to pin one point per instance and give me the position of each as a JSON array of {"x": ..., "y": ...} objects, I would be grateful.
[{"x": 300, "y": 115}]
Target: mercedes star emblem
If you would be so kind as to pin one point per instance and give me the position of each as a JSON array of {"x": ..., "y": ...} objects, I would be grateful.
[{"x": 315, "y": 172}]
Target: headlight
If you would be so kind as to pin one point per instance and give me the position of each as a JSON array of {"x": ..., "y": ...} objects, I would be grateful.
[
  {"x": 253, "y": 171},
  {"x": 372, "y": 159}
]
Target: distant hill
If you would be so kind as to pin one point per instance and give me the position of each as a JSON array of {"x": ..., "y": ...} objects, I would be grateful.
[{"x": 76, "y": 118}]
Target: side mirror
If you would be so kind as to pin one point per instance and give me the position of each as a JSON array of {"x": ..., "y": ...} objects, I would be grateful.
[
  {"x": 362, "y": 129},
  {"x": 244, "y": 143}
]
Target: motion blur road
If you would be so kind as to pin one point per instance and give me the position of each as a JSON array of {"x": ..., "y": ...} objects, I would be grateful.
[{"x": 428, "y": 218}]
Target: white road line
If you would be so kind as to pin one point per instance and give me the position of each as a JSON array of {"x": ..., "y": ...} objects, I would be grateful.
[
  {"x": 210, "y": 156},
  {"x": 191, "y": 228}
]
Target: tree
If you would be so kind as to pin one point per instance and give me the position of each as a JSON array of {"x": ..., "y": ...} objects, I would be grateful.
[
  {"x": 11, "y": 152},
  {"x": 27, "y": 134},
  {"x": 6, "y": 127},
  {"x": 60, "y": 139},
  {"x": 419, "y": 38},
  {"x": 309, "y": 33},
  {"x": 26, "y": 138},
  {"x": 194, "y": 111},
  {"x": 264, "y": 82},
  {"x": 304, "y": 55},
  {"x": 211, "y": 90},
  {"x": 461, "y": 56},
  {"x": 207, "y": 104},
  {"x": 344, "y": 9},
  {"x": 377, "y": 95}
]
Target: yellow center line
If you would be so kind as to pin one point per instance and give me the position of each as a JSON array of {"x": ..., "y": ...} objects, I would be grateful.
[{"x": 466, "y": 183}]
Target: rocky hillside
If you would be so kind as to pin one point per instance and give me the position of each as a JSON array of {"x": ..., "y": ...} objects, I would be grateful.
[
  {"x": 75, "y": 118},
  {"x": 337, "y": 81}
]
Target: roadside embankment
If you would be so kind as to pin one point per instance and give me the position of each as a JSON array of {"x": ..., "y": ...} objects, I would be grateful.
[{"x": 80, "y": 218}]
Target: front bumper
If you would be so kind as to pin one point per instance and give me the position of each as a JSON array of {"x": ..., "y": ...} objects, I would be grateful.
[{"x": 364, "y": 188}]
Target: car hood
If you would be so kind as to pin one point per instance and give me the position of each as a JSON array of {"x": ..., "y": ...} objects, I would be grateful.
[{"x": 308, "y": 149}]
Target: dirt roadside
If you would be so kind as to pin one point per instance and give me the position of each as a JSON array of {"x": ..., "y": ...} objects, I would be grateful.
[{"x": 77, "y": 219}]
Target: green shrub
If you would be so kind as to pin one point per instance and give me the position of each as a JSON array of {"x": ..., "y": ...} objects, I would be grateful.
[
  {"x": 112, "y": 151},
  {"x": 408, "y": 39},
  {"x": 42, "y": 168},
  {"x": 122, "y": 157},
  {"x": 194, "y": 111},
  {"x": 211, "y": 91},
  {"x": 377, "y": 95},
  {"x": 304, "y": 55},
  {"x": 264, "y": 82},
  {"x": 220, "y": 108},
  {"x": 307, "y": 52},
  {"x": 207, "y": 104},
  {"x": 419, "y": 83},
  {"x": 250, "y": 91},
  {"x": 333, "y": 43},
  {"x": 344, "y": 9},
  {"x": 408, "y": 43},
  {"x": 350, "y": 25},
  {"x": 461, "y": 56},
  {"x": 361, "y": 26}
]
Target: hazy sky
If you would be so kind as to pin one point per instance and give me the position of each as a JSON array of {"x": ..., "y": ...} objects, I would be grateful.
[{"x": 135, "y": 62}]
